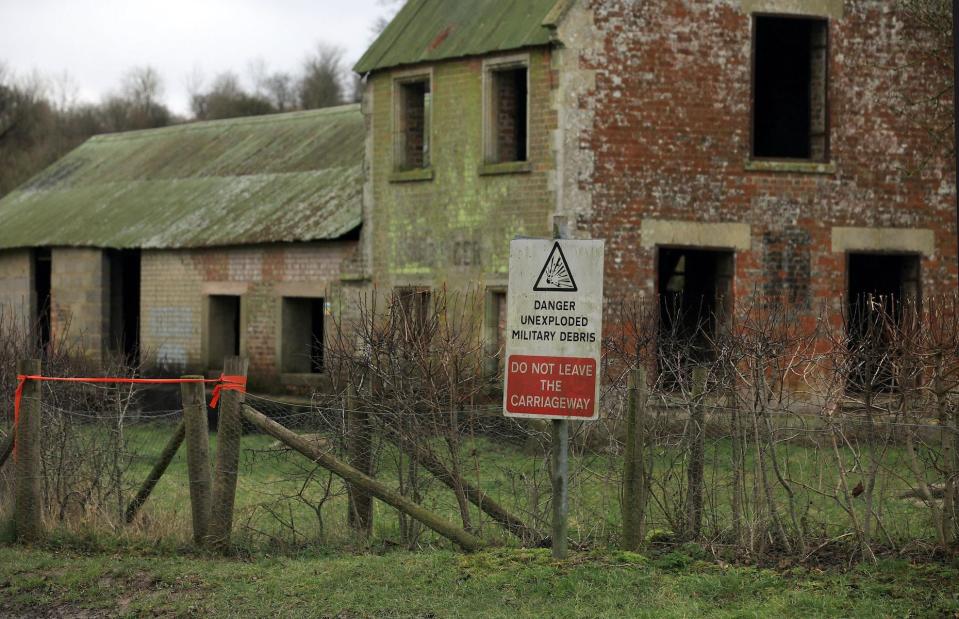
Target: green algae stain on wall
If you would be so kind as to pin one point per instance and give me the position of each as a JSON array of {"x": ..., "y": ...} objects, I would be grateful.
[{"x": 455, "y": 229}]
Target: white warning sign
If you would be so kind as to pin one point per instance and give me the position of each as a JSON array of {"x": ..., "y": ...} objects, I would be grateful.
[{"x": 554, "y": 329}]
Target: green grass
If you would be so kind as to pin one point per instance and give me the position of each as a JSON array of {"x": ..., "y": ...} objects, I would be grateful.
[{"x": 502, "y": 583}]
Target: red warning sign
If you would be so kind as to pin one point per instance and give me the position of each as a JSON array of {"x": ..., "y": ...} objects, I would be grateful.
[{"x": 551, "y": 386}]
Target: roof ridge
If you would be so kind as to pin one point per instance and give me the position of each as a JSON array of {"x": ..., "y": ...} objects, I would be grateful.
[{"x": 237, "y": 121}]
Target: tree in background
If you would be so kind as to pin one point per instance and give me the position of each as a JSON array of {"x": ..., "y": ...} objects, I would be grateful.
[
  {"x": 138, "y": 104},
  {"x": 226, "y": 98},
  {"x": 321, "y": 82}
]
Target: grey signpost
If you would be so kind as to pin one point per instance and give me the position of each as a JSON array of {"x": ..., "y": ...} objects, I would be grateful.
[{"x": 554, "y": 330}]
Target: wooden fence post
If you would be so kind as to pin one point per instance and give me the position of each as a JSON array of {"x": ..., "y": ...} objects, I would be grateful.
[
  {"x": 697, "y": 455},
  {"x": 197, "y": 455},
  {"x": 360, "y": 446},
  {"x": 28, "y": 507},
  {"x": 634, "y": 461},
  {"x": 229, "y": 430},
  {"x": 738, "y": 460}
]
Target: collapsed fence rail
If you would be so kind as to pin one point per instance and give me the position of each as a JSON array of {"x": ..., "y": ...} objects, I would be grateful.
[{"x": 462, "y": 538}]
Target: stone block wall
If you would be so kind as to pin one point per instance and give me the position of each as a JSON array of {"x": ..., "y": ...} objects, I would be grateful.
[
  {"x": 17, "y": 297},
  {"x": 454, "y": 222},
  {"x": 176, "y": 286}
]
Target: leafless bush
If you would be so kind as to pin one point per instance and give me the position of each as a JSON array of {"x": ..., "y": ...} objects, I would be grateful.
[{"x": 85, "y": 451}]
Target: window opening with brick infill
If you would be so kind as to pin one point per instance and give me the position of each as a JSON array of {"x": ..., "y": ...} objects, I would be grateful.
[
  {"x": 223, "y": 329},
  {"x": 496, "y": 332},
  {"x": 413, "y": 311},
  {"x": 413, "y": 124},
  {"x": 124, "y": 309},
  {"x": 302, "y": 345},
  {"x": 695, "y": 293},
  {"x": 883, "y": 292},
  {"x": 790, "y": 74},
  {"x": 42, "y": 286},
  {"x": 508, "y": 114}
]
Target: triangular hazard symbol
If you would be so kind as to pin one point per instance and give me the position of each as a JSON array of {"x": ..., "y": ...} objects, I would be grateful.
[{"x": 556, "y": 276}]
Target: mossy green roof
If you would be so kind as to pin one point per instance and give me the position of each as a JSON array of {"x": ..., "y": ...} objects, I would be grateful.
[
  {"x": 430, "y": 30},
  {"x": 279, "y": 178}
]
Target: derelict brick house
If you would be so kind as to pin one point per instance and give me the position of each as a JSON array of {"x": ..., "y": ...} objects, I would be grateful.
[
  {"x": 190, "y": 243},
  {"x": 721, "y": 147}
]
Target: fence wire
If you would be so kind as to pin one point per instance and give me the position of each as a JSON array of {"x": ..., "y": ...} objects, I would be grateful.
[{"x": 783, "y": 441}]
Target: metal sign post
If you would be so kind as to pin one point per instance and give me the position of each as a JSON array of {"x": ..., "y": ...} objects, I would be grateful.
[{"x": 554, "y": 330}]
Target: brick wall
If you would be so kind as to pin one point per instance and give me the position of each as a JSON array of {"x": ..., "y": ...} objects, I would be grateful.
[
  {"x": 176, "y": 284},
  {"x": 79, "y": 294},
  {"x": 456, "y": 226},
  {"x": 657, "y": 109},
  {"x": 17, "y": 300}
]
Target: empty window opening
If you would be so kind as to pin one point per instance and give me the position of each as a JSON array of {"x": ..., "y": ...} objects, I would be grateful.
[
  {"x": 695, "y": 291},
  {"x": 223, "y": 328},
  {"x": 124, "y": 310},
  {"x": 413, "y": 120},
  {"x": 42, "y": 285},
  {"x": 789, "y": 88},
  {"x": 508, "y": 115},
  {"x": 882, "y": 289},
  {"x": 302, "y": 344}
]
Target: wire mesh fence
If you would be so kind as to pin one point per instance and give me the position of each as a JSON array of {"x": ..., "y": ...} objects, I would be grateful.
[{"x": 772, "y": 436}]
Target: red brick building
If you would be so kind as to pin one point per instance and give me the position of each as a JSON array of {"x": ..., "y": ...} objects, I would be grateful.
[{"x": 722, "y": 148}]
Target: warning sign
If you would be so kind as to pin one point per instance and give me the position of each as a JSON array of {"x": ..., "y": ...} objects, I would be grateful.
[
  {"x": 555, "y": 276},
  {"x": 554, "y": 329}
]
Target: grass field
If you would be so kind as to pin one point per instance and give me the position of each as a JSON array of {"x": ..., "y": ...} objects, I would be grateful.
[
  {"x": 294, "y": 561},
  {"x": 504, "y": 583}
]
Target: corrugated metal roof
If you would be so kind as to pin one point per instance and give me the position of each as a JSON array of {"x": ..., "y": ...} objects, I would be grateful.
[
  {"x": 285, "y": 177},
  {"x": 429, "y": 30}
]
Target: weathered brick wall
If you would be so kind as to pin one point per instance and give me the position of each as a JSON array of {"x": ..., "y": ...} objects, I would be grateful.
[
  {"x": 175, "y": 285},
  {"x": 656, "y": 111},
  {"x": 456, "y": 226},
  {"x": 79, "y": 293},
  {"x": 17, "y": 299}
]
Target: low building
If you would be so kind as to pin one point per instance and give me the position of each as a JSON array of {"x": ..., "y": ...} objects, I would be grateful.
[
  {"x": 724, "y": 149},
  {"x": 182, "y": 245}
]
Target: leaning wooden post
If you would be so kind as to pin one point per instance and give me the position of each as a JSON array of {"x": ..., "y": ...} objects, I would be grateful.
[
  {"x": 697, "y": 454},
  {"x": 634, "y": 469},
  {"x": 229, "y": 430},
  {"x": 28, "y": 512},
  {"x": 6, "y": 446},
  {"x": 197, "y": 455},
  {"x": 559, "y": 451},
  {"x": 166, "y": 457}
]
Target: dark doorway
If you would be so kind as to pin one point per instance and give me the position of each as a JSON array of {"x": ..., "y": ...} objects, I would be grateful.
[
  {"x": 303, "y": 338},
  {"x": 695, "y": 294},
  {"x": 223, "y": 327},
  {"x": 124, "y": 267},
  {"x": 42, "y": 286},
  {"x": 882, "y": 289}
]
